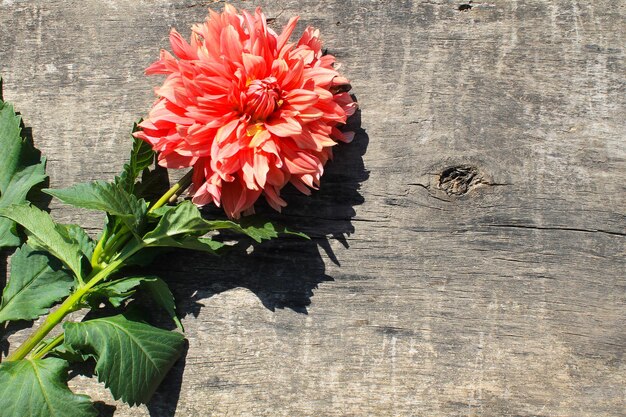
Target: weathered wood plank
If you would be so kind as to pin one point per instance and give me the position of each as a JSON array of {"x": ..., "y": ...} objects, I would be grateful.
[{"x": 493, "y": 289}]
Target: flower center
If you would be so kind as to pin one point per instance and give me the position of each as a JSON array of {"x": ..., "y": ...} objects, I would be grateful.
[{"x": 262, "y": 98}]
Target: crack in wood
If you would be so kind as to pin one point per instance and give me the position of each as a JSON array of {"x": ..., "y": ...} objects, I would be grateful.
[{"x": 567, "y": 229}]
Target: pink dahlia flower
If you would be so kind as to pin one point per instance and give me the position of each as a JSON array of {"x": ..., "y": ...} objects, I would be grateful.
[{"x": 247, "y": 109}]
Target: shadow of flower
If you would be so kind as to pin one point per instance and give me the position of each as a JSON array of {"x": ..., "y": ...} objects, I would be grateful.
[{"x": 282, "y": 273}]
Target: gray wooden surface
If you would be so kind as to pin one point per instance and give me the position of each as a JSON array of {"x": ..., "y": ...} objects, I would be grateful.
[{"x": 469, "y": 249}]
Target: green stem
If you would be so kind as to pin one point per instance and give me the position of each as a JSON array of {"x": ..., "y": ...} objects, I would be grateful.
[
  {"x": 47, "y": 348},
  {"x": 113, "y": 240},
  {"x": 105, "y": 245},
  {"x": 176, "y": 190},
  {"x": 116, "y": 242},
  {"x": 71, "y": 303},
  {"x": 97, "y": 252}
]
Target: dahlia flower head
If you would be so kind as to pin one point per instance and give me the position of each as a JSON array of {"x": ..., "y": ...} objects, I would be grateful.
[{"x": 247, "y": 109}]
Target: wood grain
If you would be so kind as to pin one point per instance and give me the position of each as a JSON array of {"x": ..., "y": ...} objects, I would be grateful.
[{"x": 469, "y": 249}]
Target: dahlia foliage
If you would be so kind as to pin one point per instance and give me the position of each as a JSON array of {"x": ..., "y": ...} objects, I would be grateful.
[{"x": 247, "y": 109}]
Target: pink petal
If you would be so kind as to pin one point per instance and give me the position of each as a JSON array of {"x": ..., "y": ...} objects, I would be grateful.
[
  {"x": 176, "y": 161},
  {"x": 261, "y": 168},
  {"x": 254, "y": 65},
  {"x": 301, "y": 99},
  {"x": 230, "y": 44},
  {"x": 181, "y": 48},
  {"x": 226, "y": 131},
  {"x": 273, "y": 199},
  {"x": 259, "y": 138},
  {"x": 237, "y": 198},
  {"x": 284, "y": 127},
  {"x": 287, "y": 31}
]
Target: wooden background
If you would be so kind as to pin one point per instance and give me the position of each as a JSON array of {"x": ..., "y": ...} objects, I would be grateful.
[{"x": 469, "y": 251}]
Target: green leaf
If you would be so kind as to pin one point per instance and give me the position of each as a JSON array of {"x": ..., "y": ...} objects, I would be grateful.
[
  {"x": 255, "y": 228},
  {"x": 180, "y": 226},
  {"x": 190, "y": 242},
  {"x": 260, "y": 230},
  {"x": 116, "y": 291},
  {"x": 36, "y": 283},
  {"x": 120, "y": 290},
  {"x": 38, "y": 388},
  {"x": 160, "y": 211},
  {"x": 153, "y": 184},
  {"x": 185, "y": 219},
  {"x": 132, "y": 358},
  {"x": 78, "y": 234},
  {"x": 162, "y": 295},
  {"x": 141, "y": 157},
  {"x": 107, "y": 197},
  {"x": 43, "y": 233},
  {"x": 21, "y": 168},
  {"x": 61, "y": 351}
]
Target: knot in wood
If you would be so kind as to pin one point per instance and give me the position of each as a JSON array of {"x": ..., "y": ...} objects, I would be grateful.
[
  {"x": 459, "y": 180},
  {"x": 465, "y": 7}
]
